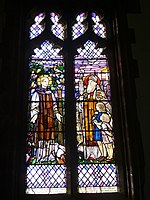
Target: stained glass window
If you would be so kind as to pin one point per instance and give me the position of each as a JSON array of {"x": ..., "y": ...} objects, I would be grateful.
[
  {"x": 94, "y": 124},
  {"x": 46, "y": 171},
  {"x": 45, "y": 157}
]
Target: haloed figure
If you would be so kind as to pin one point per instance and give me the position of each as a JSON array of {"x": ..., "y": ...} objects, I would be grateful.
[{"x": 43, "y": 111}]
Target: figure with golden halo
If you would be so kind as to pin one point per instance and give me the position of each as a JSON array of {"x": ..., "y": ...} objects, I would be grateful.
[{"x": 43, "y": 112}]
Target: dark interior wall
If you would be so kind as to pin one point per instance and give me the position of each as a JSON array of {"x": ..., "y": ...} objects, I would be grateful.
[{"x": 141, "y": 53}]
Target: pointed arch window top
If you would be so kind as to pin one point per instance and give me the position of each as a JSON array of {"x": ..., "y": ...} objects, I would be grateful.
[
  {"x": 47, "y": 137},
  {"x": 57, "y": 27},
  {"x": 81, "y": 26}
]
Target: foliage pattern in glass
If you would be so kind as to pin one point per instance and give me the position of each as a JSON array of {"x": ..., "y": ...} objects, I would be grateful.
[{"x": 45, "y": 138}]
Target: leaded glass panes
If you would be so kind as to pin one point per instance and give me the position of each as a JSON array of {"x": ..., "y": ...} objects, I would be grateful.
[
  {"x": 94, "y": 124},
  {"x": 46, "y": 179},
  {"x": 45, "y": 156},
  {"x": 58, "y": 29},
  {"x": 38, "y": 27},
  {"x": 46, "y": 137},
  {"x": 80, "y": 27},
  {"x": 97, "y": 178},
  {"x": 99, "y": 26},
  {"x": 46, "y": 51}
]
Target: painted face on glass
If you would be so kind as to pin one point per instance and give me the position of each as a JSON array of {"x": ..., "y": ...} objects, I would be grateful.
[
  {"x": 91, "y": 86},
  {"x": 44, "y": 82},
  {"x": 100, "y": 107}
]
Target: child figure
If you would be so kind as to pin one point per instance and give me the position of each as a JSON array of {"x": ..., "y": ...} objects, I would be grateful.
[
  {"x": 107, "y": 135},
  {"x": 97, "y": 132},
  {"x": 103, "y": 132}
]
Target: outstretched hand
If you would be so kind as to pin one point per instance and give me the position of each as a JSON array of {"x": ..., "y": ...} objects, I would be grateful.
[{"x": 59, "y": 117}]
